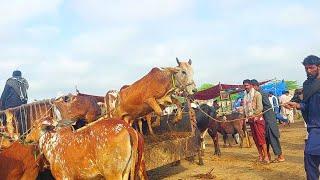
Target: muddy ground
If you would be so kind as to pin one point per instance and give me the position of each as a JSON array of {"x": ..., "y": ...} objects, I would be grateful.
[{"x": 237, "y": 163}]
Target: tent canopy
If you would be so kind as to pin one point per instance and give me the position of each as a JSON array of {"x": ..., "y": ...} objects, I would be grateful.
[{"x": 214, "y": 91}]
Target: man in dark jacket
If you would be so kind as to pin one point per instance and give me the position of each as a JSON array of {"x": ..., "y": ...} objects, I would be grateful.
[
  {"x": 271, "y": 127},
  {"x": 15, "y": 91},
  {"x": 311, "y": 114}
]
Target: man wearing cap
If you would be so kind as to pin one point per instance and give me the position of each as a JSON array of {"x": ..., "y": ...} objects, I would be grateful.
[
  {"x": 15, "y": 91},
  {"x": 311, "y": 114},
  {"x": 252, "y": 105},
  {"x": 271, "y": 128}
]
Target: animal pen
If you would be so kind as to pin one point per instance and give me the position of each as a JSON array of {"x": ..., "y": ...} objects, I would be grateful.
[{"x": 173, "y": 142}]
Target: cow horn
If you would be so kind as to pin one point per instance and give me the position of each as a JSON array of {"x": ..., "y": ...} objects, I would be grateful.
[
  {"x": 178, "y": 61},
  {"x": 190, "y": 62}
]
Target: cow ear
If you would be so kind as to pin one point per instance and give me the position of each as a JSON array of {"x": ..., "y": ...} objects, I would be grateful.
[
  {"x": 173, "y": 70},
  {"x": 190, "y": 62},
  {"x": 178, "y": 61}
]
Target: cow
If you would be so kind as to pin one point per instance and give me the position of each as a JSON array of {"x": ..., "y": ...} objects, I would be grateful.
[
  {"x": 154, "y": 91},
  {"x": 207, "y": 121},
  {"x": 20, "y": 162},
  {"x": 107, "y": 148},
  {"x": 75, "y": 107},
  {"x": 21, "y": 120}
]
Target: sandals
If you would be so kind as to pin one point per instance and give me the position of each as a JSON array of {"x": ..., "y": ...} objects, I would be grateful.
[{"x": 277, "y": 160}]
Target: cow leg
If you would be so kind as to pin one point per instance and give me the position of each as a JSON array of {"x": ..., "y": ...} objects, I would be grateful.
[
  {"x": 241, "y": 138},
  {"x": 178, "y": 117},
  {"x": 225, "y": 137},
  {"x": 214, "y": 135},
  {"x": 202, "y": 142},
  {"x": 149, "y": 119},
  {"x": 154, "y": 105},
  {"x": 140, "y": 125},
  {"x": 157, "y": 122}
]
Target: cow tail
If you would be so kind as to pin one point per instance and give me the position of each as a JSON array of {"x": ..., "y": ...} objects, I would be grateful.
[
  {"x": 134, "y": 146},
  {"x": 140, "y": 169}
]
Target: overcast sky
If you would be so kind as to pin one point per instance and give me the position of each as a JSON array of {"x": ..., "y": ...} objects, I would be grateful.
[{"x": 98, "y": 45}]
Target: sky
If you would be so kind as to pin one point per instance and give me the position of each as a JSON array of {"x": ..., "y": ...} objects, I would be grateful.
[{"x": 99, "y": 45}]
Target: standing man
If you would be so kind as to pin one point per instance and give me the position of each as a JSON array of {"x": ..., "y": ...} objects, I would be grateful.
[
  {"x": 311, "y": 114},
  {"x": 275, "y": 105},
  {"x": 252, "y": 104},
  {"x": 271, "y": 127},
  {"x": 15, "y": 91},
  {"x": 286, "y": 112},
  {"x": 274, "y": 102}
]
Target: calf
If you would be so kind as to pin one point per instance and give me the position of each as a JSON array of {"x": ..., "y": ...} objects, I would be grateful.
[
  {"x": 105, "y": 148},
  {"x": 19, "y": 162},
  {"x": 206, "y": 124}
]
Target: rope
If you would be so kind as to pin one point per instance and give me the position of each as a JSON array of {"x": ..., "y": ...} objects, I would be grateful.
[{"x": 238, "y": 119}]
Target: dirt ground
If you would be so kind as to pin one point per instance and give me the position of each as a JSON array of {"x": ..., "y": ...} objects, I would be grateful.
[{"x": 237, "y": 163}]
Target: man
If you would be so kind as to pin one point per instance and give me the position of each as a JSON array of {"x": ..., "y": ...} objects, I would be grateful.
[
  {"x": 275, "y": 105},
  {"x": 271, "y": 127},
  {"x": 274, "y": 102},
  {"x": 311, "y": 114},
  {"x": 286, "y": 112},
  {"x": 13, "y": 95},
  {"x": 252, "y": 104},
  {"x": 15, "y": 91}
]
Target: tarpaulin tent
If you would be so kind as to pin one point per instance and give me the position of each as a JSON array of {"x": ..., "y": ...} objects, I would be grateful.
[
  {"x": 214, "y": 91},
  {"x": 276, "y": 87}
]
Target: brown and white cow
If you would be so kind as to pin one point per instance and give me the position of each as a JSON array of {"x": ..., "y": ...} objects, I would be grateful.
[
  {"x": 19, "y": 162},
  {"x": 107, "y": 148},
  {"x": 154, "y": 91}
]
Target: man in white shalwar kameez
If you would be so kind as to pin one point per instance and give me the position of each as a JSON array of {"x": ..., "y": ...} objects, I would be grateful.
[{"x": 286, "y": 113}]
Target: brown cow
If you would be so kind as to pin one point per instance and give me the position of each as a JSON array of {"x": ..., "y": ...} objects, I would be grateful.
[
  {"x": 28, "y": 116},
  {"x": 154, "y": 91},
  {"x": 75, "y": 107},
  {"x": 107, "y": 148},
  {"x": 19, "y": 162}
]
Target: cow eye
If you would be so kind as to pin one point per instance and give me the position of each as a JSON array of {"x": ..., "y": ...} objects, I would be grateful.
[{"x": 184, "y": 72}]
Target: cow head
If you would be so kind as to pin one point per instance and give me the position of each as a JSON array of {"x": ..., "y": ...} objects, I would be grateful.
[
  {"x": 184, "y": 76},
  {"x": 40, "y": 125},
  {"x": 75, "y": 107}
]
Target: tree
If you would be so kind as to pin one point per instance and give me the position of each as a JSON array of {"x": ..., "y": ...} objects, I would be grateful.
[
  {"x": 205, "y": 86},
  {"x": 292, "y": 85}
]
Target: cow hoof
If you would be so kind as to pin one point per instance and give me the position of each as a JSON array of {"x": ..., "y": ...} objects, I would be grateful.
[
  {"x": 217, "y": 154},
  {"x": 201, "y": 162}
]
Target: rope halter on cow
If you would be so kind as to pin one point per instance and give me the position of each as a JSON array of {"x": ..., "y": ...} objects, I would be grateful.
[{"x": 178, "y": 85}]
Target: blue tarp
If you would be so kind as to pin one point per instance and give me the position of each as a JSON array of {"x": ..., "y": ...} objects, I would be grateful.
[{"x": 275, "y": 86}]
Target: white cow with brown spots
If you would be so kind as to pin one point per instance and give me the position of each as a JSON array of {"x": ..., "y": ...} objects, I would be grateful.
[{"x": 106, "y": 148}]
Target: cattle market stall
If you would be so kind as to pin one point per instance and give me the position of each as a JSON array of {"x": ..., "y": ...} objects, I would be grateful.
[{"x": 173, "y": 142}]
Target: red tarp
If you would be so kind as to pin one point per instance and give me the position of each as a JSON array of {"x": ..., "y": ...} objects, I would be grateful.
[{"x": 214, "y": 91}]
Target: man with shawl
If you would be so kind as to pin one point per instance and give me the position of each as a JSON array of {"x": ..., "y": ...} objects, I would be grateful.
[
  {"x": 252, "y": 104},
  {"x": 15, "y": 91}
]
